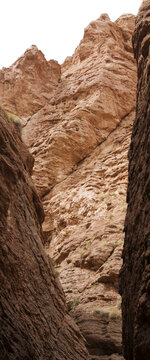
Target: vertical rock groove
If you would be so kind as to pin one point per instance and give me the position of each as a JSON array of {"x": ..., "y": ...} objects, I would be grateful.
[
  {"x": 135, "y": 273},
  {"x": 32, "y": 304}
]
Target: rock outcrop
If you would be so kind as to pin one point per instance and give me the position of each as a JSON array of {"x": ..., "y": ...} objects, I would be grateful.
[
  {"x": 34, "y": 322},
  {"x": 28, "y": 85},
  {"x": 96, "y": 91},
  {"x": 135, "y": 274},
  {"x": 79, "y": 140},
  {"x": 80, "y": 143}
]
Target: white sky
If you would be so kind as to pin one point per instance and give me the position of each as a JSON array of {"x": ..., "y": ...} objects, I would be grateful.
[{"x": 55, "y": 26}]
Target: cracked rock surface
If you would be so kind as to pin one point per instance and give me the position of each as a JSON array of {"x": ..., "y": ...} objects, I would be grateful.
[
  {"x": 28, "y": 85},
  {"x": 135, "y": 273},
  {"x": 80, "y": 140},
  {"x": 34, "y": 321},
  {"x": 80, "y": 143}
]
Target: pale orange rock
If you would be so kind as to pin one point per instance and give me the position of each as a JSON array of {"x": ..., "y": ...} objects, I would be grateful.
[
  {"x": 81, "y": 174},
  {"x": 94, "y": 94},
  {"x": 27, "y": 85},
  {"x": 84, "y": 224},
  {"x": 80, "y": 140}
]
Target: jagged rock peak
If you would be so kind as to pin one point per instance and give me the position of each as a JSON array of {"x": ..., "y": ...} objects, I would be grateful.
[
  {"x": 33, "y": 54},
  {"x": 104, "y": 17},
  {"x": 99, "y": 32},
  {"x": 28, "y": 84},
  {"x": 126, "y": 22},
  {"x": 31, "y": 51}
]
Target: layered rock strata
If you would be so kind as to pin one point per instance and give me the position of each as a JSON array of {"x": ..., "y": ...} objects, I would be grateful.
[
  {"x": 28, "y": 85},
  {"x": 80, "y": 141},
  {"x": 135, "y": 274},
  {"x": 34, "y": 322},
  {"x": 96, "y": 91}
]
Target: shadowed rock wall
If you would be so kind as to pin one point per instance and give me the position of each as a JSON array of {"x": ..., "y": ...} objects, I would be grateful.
[
  {"x": 135, "y": 274},
  {"x": 34, "y": 323}
]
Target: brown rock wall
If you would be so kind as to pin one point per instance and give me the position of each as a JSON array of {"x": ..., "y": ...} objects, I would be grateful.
[
  {"x": 27, "y": 85},
  {"x": 80, "y": 145},
  {"x": 80, "y": 141},
  {"x": 84, "y": 217},
  {"x": 34, "y": 322},
  {"x": 135, "y": 272},
  {"x": 91, "y": 99}
]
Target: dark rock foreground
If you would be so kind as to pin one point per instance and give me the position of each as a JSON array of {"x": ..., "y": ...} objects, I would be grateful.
[
  {"x": 34, "y": 323},
  {"x": 135, "y": 274}
]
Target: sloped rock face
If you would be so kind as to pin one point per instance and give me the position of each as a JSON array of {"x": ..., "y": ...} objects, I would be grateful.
[
  {"x": 80, "y": 143},
  {"x": 34, "y": 322},
  {"x": 27, "y": 85},
  {"x": 94, "y": 94},
  {"x": 84, "y": 223},
  {"x": 135, "y": 274}
]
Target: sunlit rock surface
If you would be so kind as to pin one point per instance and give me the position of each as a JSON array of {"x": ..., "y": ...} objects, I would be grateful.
[
  {"x": 28, "y": 85},
  {"x": 80, "y": 140}
]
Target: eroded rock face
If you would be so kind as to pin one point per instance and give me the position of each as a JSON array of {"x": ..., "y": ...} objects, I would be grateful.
[
  {"x": 135, "y": 274},
  {"x": 27, "y": 85},
  {"x": 84, "y": 225},
  {"x": 94, "y": 94},
  {"x": 34, "y": 322},
  {"x": 80, "y": 141}
]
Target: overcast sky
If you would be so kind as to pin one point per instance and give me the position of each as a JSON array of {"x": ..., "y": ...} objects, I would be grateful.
[{"x": 55, "y": 26}]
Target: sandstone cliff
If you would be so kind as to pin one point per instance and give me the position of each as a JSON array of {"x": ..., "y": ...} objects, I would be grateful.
[
  {"x": 135, "y": 274},
  {"x": 34, "y": 322},
  {"x": 27, "y": 85},
  {"x": 80, "y": 143},
  {"x": 79, "y": 140}
]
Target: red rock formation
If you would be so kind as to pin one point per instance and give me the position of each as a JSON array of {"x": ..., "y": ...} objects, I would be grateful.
[
  {"x": 93, "y": 96},
  {"x": 80, "y": 141},
  {"x": 80, "y": 145},
  {"x": 34, "y": 323},
  {"x": 135, "y": 274},
  {"x": 27, "y": 85}
]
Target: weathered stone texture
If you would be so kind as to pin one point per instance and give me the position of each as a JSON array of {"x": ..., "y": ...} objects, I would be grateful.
[
  {"x": 79, "y": 140},
  {"x": 135, "y": 274},
  {"x": 28, "y": 85},
  {"x": 80, "y": 144},
  {"x": 34, "y": 323},
  {"x": 94, "y": 94}
]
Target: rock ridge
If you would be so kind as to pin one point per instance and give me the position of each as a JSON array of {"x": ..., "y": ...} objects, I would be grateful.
[{"x": 27, "y": 85}]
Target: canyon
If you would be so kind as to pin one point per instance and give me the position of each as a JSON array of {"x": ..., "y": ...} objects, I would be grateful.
[{"x": 76, "y": 120}]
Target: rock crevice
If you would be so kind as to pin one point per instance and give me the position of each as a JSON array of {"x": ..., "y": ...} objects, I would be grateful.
[
  {"x": 79, "y": 134},
  {"x": 135, "y": 272},
  {"x": 32, "y": 302}
]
